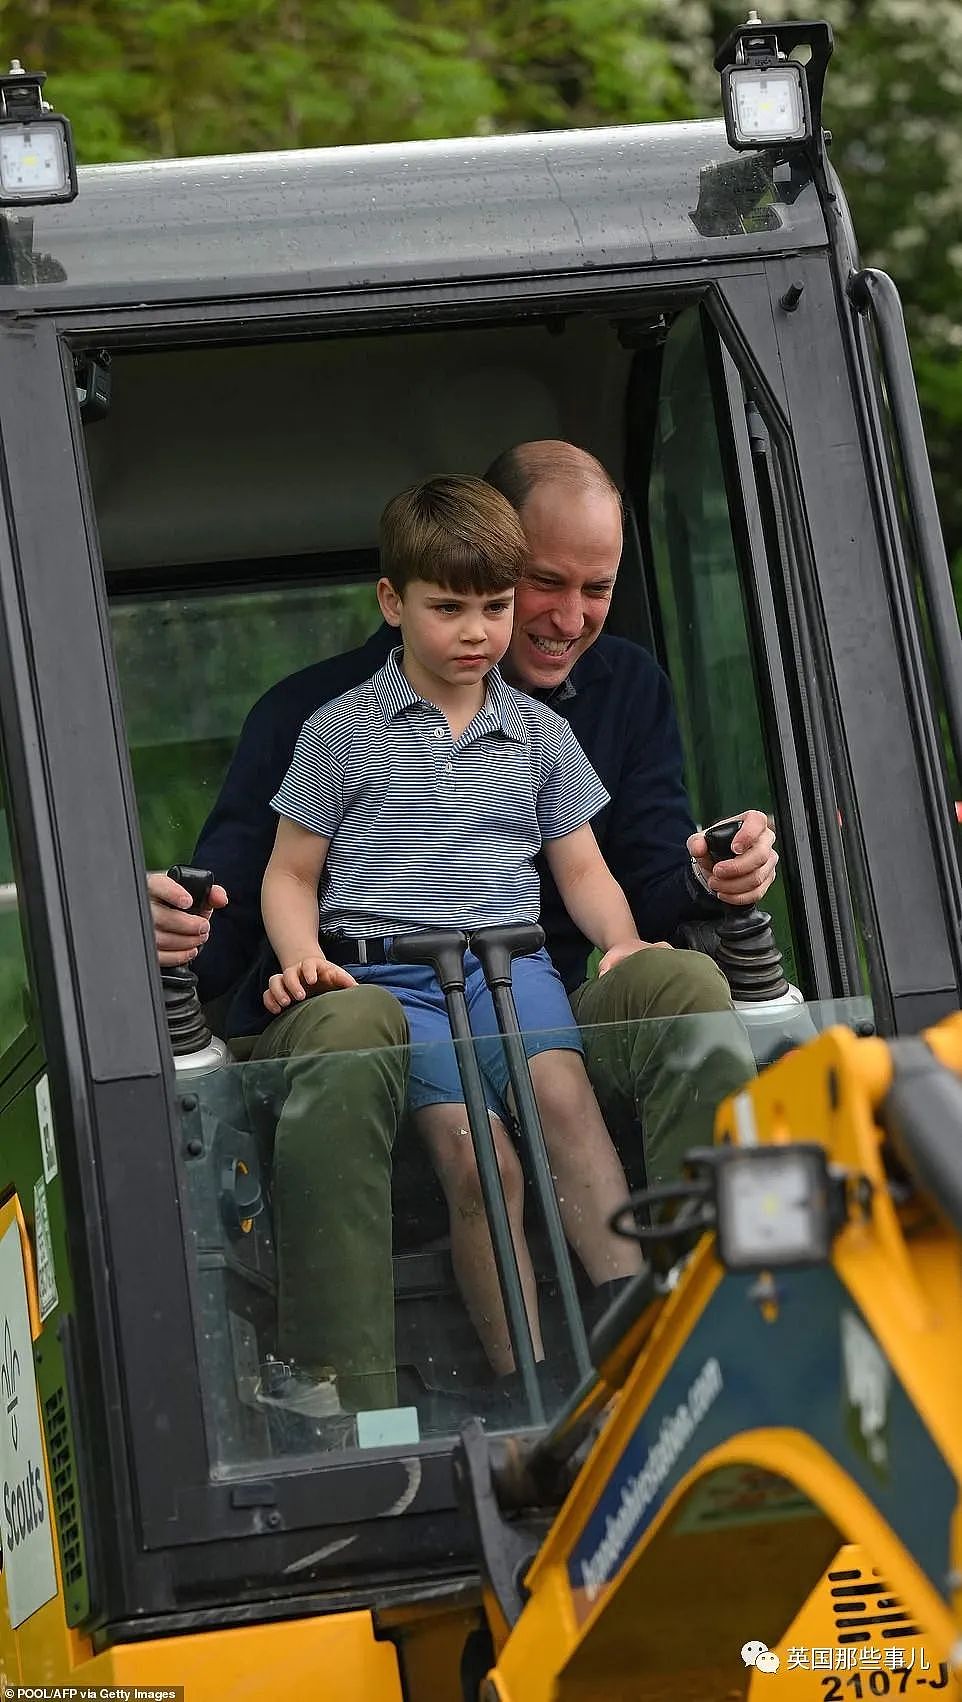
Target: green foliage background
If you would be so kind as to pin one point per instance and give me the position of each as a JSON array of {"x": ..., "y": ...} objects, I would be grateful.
[
  {"x": 150, "y": 78},
  {"x": 161, "y": 78}
]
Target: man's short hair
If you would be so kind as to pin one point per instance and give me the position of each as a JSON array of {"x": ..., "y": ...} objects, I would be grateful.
[
  {"x": 516, "y": 471},
  {"x": 454, "y": 531}
]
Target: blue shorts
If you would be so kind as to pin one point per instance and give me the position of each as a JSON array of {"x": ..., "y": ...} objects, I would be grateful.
[{"x": 544, "y": 1015}]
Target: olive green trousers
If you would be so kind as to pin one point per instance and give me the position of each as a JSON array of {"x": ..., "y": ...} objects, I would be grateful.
[
  {"x": 662, "y": 1047},
  {"x": 332, "y": 1072}
]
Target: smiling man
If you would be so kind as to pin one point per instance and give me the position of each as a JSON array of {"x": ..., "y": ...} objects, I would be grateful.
[
  {"x": 344, "y": 1072},
  {"x": 645, "y": 1067},
  {"x": 571, "y": 513}
]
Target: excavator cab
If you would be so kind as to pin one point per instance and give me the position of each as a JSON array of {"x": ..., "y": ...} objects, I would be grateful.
[{"x": 213, "y": 374}]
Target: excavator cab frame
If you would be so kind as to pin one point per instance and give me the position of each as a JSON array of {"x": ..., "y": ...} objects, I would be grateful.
[{"x": 327, "y": 323}]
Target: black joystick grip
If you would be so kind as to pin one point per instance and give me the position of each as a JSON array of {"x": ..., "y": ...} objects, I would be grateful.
[
  {"x": 185, "y": 1020},
  {"x": 442, "y": 948},
  {"x": 747, "y": 951},
  {"x": 496, "y": 945},
  {"x": 197, "y": 882},
  {"x": 719, "y": 839}
]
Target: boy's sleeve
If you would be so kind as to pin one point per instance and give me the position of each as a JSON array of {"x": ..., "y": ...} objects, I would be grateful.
[
  {"x": 570, "y": 792},
  {"x": 312, "y": 791}
]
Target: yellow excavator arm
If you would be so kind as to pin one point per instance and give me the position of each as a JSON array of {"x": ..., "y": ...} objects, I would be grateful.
[{"x": 769, "y": 1503}]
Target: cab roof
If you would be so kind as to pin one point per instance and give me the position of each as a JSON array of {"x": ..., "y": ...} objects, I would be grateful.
[{"x": 333, "y": 219}]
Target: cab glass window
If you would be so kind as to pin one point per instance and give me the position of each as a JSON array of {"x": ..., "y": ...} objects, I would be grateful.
[
  {"x": 239, "y": 547},
  {"x": 192, "y": 665},
  {"x": 706, "y": 642}
]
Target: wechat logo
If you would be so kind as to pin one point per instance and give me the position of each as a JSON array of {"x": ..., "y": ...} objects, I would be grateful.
[{"x": 759, "y": 1656}]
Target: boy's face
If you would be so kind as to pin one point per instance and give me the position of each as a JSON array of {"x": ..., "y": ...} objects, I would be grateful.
[{"x": 449, "y": 636}]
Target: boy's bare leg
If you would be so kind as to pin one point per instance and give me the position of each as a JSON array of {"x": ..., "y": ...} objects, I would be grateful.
[
  {"x": 589, "y": 1180},
  {"x": 448, "y": 1138}
]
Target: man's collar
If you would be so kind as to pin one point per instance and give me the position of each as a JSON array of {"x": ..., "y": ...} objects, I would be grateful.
[{"x": 593, "y": 665}]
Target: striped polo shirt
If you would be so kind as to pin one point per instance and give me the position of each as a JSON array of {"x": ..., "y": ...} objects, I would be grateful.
[{"x": 426, "y": 830}]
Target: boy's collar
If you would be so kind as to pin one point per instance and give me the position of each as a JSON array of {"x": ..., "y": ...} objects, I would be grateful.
[{"x": 395, "y": 693}]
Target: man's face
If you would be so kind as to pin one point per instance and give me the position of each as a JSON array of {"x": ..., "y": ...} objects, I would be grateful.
[{"x": 561, "y": 604}]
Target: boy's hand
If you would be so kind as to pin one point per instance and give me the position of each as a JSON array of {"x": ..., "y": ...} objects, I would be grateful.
[
  {"x": 178, "y": 936},
  {"x": 301, "y": 980},
  {"x": 615, "y": 953}
]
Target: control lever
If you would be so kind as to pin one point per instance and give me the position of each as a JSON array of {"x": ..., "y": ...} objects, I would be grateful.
[
  {"x": 495, "y": 947},
  {"x": 747, "y": 952},
  {"x": 444, "y": 949},
  {"x": 772, "y": 1010},
  {"x": 189, "y": 1033}
]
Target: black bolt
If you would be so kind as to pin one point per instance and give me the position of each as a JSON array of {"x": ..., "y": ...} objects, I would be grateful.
[
  {"x": 189, "y": 1102},
  {"x": 863, "y": 1194},
  {"x": 834, "y": 1089},
  {"x": 793, "y": 295},
  {"x": 195, "y": 1148},
  {"x": 865, "y": 1029},
  {"x": 274, "y": 1519}
]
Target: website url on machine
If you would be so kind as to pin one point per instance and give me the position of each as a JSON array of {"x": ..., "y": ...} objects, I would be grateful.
[{"x": 640, "y": 1489}]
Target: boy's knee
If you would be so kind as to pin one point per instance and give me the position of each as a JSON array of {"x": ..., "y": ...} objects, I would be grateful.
[
  {"x": 463, "y": 1179},
  {"x": 558, "y": 1075}
]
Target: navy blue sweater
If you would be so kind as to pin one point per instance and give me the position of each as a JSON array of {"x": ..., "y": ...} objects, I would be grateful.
[{"x": 618, "y": 703}]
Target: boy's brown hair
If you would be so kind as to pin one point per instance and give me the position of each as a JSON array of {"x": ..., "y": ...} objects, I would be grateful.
[{"x": 455, "y": 531}]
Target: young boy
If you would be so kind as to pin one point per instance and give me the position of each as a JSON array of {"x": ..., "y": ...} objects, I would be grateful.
[{"x": 420, "y": 800}]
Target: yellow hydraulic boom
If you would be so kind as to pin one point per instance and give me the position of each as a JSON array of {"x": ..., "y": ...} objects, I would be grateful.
[{"x": 772, "y": 1505}]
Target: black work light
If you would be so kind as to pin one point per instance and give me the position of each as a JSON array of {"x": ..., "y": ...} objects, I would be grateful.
[
  {"x": 37, "y": 161},
  {"x": 774, "y": 1206},
  {"x": 764, "y": 93}
]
